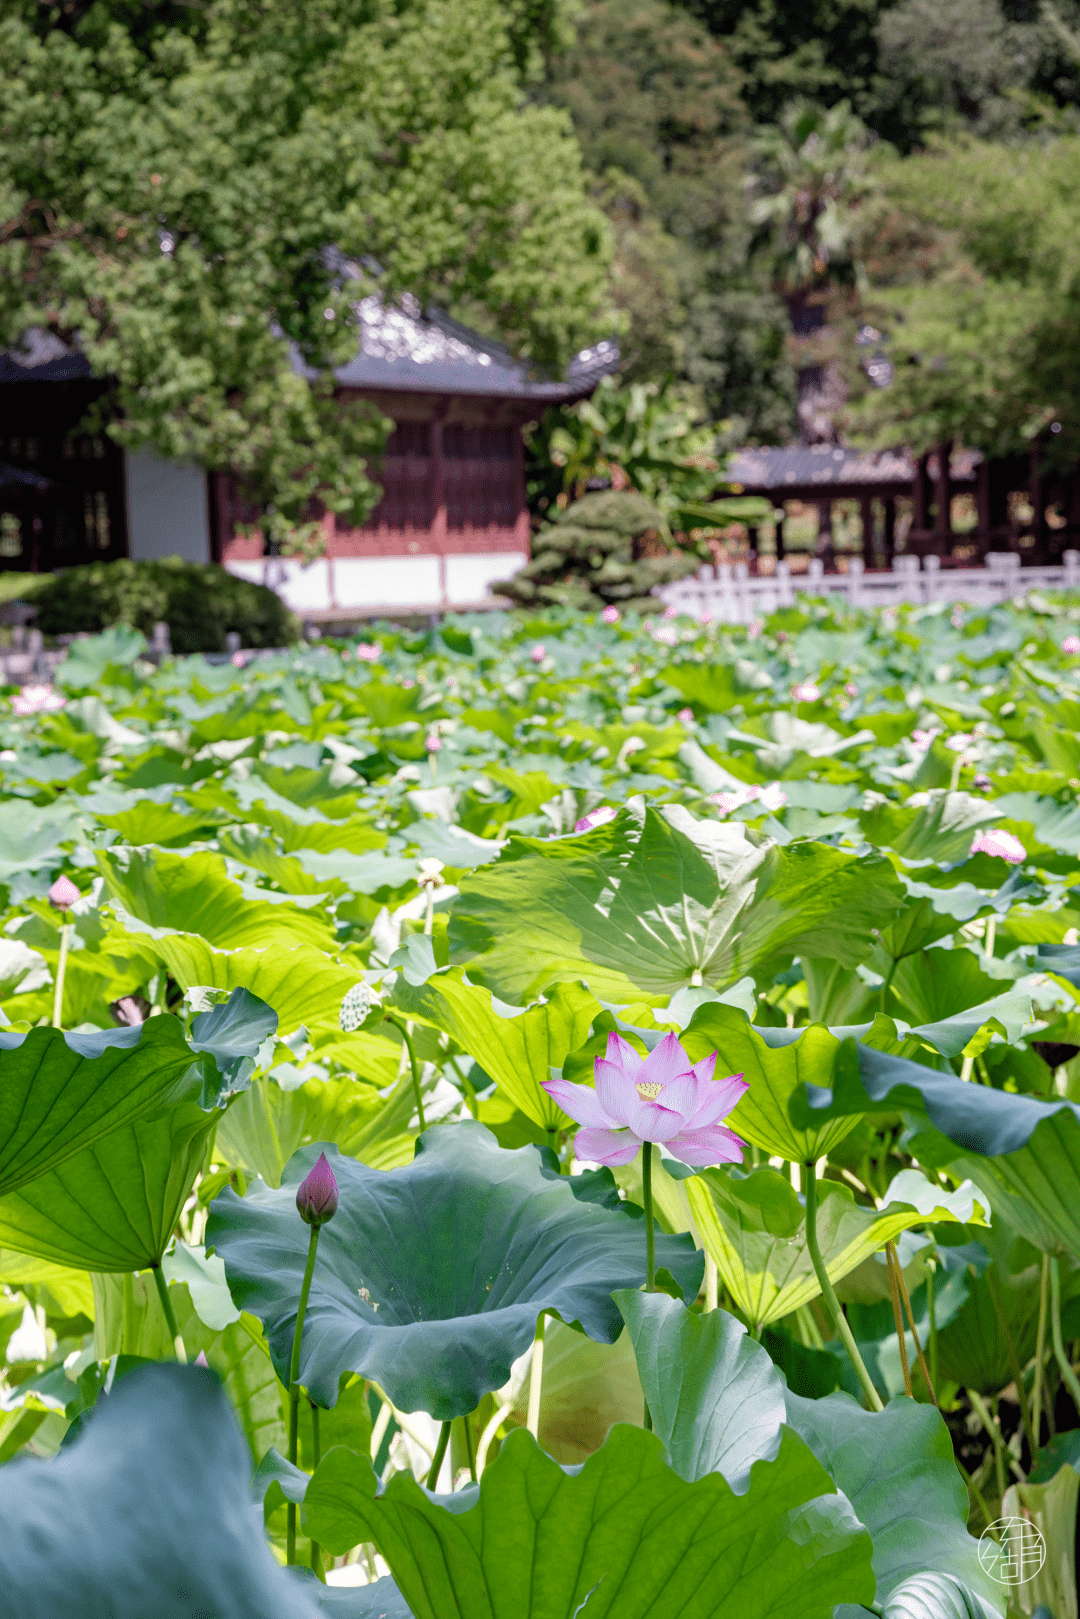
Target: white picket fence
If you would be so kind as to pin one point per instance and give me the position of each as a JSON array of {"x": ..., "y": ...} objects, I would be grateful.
[{"x": 732, "y": 595}]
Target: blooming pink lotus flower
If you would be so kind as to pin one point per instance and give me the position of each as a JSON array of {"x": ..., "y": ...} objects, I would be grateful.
[
  {"x": 63, "y": 893},
  {"x": 433, "y": 742},
  {"x": 685, "y": 716},
  {"x": 851, "y": 690},
  {"x": 368, "y": 651},
  {"x": 538, "y": 654},
  {"x": 1071, "y": 644},
  {"x": 610, "y": 615},
  {"x": 37, "y": 700},
  {"x": 983, "y": 783},
  {"x": 671, "y": 612},
  {"x": 806, "y": 692},
  {"x": 771, "y": 797},
  {"x": 596, "y": 817},
  {"x": 317, "y": 1194},
  {"x": 960, "y": 741},
  {"x": 921, "y": 740},
  {"x": 662, "y": 1098},
  {"x": 1002, "y": 844}
]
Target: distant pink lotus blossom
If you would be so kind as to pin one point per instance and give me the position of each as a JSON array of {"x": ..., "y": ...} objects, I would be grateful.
[
  {"x": 201, "y": 1360},
  {"x": 660, "y": 1098},
  {"x": 37, "y": 700},
  {"x": 962, "y": 740},
  {"x": 63, "y": 893},
  {"x": 1002, "y": 844},
  {"x": 754, "y": 628},
  {"x": 851, "y": 690},
  {"x": 685, "y": 716},
  {"x": 610, "y": 615},
  {"x": 771, "y": 797},
  {"x": 408, "y": 684},
  {"x": 921, "y": 740},
  {"x": 238, "y": 660},
  {"x": 806, "y": 692},
  {"x": 667, "y": 635},
  {"x": 368, "y": 651},
  {"x": 706, "y": 618},
  {"x": 433, "y": 742},
  {"x": 1071, "y": 644},
  {"x": 671, "y": 612},
  {"x": 982, "y": 783},
  {"x": 451, "y": 682},
  {"x": 596, "y": 817},
  {"x": 538, "y": 653}
]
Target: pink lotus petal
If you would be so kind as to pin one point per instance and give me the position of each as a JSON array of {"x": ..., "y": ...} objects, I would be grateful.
[
  {"x": 611, "y": 615},
  {"x": 706, "y": 1068},
  {"x": 700, "y": 1148},
  {"x": 608, "y": 1147},
  {"x": 654, "y": 1122},
  {"x": 613, "y": 1090},
  {"x": 1005, "y": 845},
  {"x": 664, "y": 1063},
  {"x": 1071, "y": 644},
  {"x": 623, "y": 1055},
  {"x": 579, "y": 1102},
  {"x": 684, "y": 1096},
  {"x": 368, "y": 651},
  {"x": 538, "y": 654},
  {"x": 63, "y": 893},
  {"x": 722, "y": 1096}
]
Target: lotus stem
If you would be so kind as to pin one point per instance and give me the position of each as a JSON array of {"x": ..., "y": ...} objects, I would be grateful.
[
  {"x": 170, "y": 1316},
  {"x": 980, "y": 1499},
  {"x": 488, "y": 1435},
  {"x": 991, "y": 931},
  {"x": 536, "y": 1381},
  {"x": 887, "y": 983},
  {"x": 294, "y": 1388},
  {"x": 316, "y": 1457},
  {"x": 1040, "y": 1349},
  {"x": 828, "y": 1293},
  {"x": 470, "y": 1448},
  {"x": 1014, "y": 1363},
  {"x": 440, "y": 1452},
  {"x": 650, "y": 1229},
  {"x": 378, "y": 1433},
  {"x": 931, "y": 1310},
  {"x": 993, "y": 1429},
  {"x": 900, "y": 1282},
  {"x": 127, "y": 1336},
  {"x": 411, "y": 1049},
  {"x": 898, "y": 1318},
  {"x": 1067, "y": 1373},
  {"x": 61, "y": 968},
  {"x": 712, "y": 1283}
]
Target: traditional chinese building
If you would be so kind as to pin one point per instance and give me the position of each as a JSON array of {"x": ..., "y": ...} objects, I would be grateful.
[{"x": 451, "y": 520}]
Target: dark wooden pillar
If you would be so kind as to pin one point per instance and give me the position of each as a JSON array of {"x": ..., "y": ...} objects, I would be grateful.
[
  {"x": 779, "y": 530},
  {"x": 1037, "y": 497},
  {"x": 920, "y": 496},
  {"x": 752, "y": 542},
  {"x": 866, "y": 514},
  {"x": 889, "y": 535},
  {"x": 943, "y": 495},
  {"x": 823, "y": 549}
]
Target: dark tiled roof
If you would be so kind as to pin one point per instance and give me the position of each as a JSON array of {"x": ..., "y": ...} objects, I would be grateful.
[
  {"x": 802, "y": 464},
  {"x": 403, "y": 347},
  {"x": 19, "y": 478},
  {"x": 41, "y": 357}
]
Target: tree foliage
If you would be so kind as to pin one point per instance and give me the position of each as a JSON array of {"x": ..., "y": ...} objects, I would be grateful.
[{"x": 171, "y": 182}]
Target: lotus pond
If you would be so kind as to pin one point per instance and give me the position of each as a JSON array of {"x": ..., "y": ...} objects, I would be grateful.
[{"x": 545, "y": 1117}]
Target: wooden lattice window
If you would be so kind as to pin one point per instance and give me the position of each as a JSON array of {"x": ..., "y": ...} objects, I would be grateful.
[
  {"x": 481, "y": 476},
  {"x": 407, "y": 479}
]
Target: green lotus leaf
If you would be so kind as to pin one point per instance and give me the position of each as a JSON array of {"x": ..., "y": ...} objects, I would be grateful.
[
  {"x": 623, "y": 1534},
  {"x": 1023, "y": 1152},
  {"x": 193, "y": 893},
  {"x": 68, "y": 1292},
  {"x": 716, "y": 1399},
  {"x": 430, "y": 1279},
  {"x": 268, "y": 1123},
  {"x": 142, "y": 1514},
  {"x": 754, "y": 1226},
  {"x": 655, "y": 900},
  {"x": 517, "y": 1049},
  {"x": 941, "y": 829},
  {"x": 59, "y": 1093},
  {"x": 896, "y": 1467},
  {"x": 936, "y": 1596},
  {"x": 777, "y": 1074}
]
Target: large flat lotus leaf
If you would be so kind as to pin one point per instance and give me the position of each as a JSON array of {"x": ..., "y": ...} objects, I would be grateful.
[
  {"x": 716, "y": 1399},
  {"x": 145, "y": 1513},
  {"x": 766, "y": 1114},
  {"x": 897, "y": 1469},
  {"x": 655, "y": 901},
  {"x": 939, "y": 830},
  {"x": 63, "y": 1290},
  {"x": 1051, "y": 1508},
  {"x": 929, "y": 985},
  {"x": 518, "y": 1049},
  {"x": 623, "y": 1535},
  {"x": 59, "y": 1093},
  {"x": 193, "y": 893},
  {"x": 114, "y": 1206},
  {"x": 231, "y": 1033},
  {"x": 430, "y": 1279},
  {"x": 754, "y": 1226},
  {"x": 1023, "y": 1152},
  {"x": 931, "y": 913}
]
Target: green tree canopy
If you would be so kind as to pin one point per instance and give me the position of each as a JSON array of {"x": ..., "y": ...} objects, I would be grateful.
[{"x": 171, "y": 179}]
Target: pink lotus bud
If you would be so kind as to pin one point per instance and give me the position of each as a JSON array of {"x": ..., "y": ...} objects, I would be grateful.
[
  {"x": 63, "y": 893},
  {"x": 450, "y": 682},
  {"x": 671, "y": 612},
  {"x": 596, "y": 817},
  {"x": 317, "y": 1195},
  {"x": 851, "y": 690},
  {"x": 538, "y": 654},
  {"x": 201, "y": 1360},
  {"x": 706, "y": 618},
  {"x": 806, "y": 692},
  {"x": 982, "y": 783},
  {"x": 754, "y": 628},
  {"x": 1002, "y": 844},
  {"x": 368, "y": 651},
  {"x": 686, "y": 716},
  {"x": 433, "y": 742},
  {"x": 1071, "y": 644},
  {"x": 611, "y": 615}
]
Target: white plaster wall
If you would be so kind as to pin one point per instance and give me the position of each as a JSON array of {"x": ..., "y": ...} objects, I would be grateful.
[
  {"x": 469, "y": 573},
  {"x": 166, "y": 509},
  {"x": 372, "y": 582}
]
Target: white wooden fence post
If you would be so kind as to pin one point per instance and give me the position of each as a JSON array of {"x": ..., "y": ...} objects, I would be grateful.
[
  {"x": 785, "y": 590},
  {"x": 855, "y": 581},
  {"x": 931, "y": 579}
]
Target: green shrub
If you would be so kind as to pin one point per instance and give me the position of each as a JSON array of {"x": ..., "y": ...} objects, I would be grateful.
[
  {"x": 200, "y": 603},
  {"x": 604, "y": 550}
]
